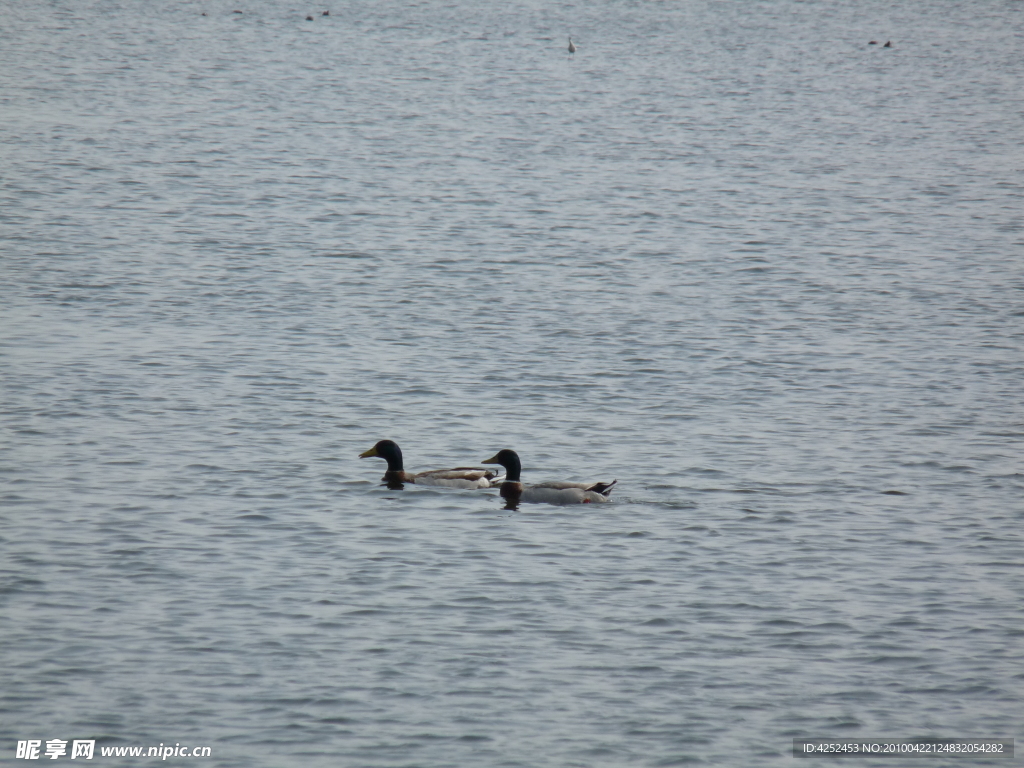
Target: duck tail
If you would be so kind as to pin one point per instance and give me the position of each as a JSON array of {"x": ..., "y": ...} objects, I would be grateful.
[{"x": 604, "y": 489}]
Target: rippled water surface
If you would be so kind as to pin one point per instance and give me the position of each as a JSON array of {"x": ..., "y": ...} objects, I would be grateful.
[{"x": 766, "y": 275}]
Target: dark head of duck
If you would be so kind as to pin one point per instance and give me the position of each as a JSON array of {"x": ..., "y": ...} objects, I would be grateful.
[
  {"x": 512, "y": 488},
  {"x": 509, "y": 459},
  {"x": 392, "y": 454}
]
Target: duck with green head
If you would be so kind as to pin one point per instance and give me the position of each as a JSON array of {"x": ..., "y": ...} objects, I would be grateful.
[
  {"x": 551, "y": 492},
  {"x": 459, "y": 477}
]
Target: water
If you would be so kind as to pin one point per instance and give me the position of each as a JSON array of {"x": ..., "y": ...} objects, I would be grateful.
[{"x": 765, "y": 275}]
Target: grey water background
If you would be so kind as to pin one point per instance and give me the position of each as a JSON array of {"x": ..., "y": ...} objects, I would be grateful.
[{"x": 765, "y": 275}]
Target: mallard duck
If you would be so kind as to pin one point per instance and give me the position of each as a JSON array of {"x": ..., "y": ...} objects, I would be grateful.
[
  {"x": 556, "y": 492},
  {"x": 460, "y": 477}
]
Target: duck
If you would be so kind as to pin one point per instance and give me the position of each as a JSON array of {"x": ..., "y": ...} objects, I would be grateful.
[
  {"x": 459, "y": 477},
  {"x": 552, "y": 492}
]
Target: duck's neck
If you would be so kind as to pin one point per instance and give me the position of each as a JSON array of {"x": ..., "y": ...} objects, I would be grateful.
[
  {"x": 513, "y": 469},
  {"x": 394, "y": 460}
]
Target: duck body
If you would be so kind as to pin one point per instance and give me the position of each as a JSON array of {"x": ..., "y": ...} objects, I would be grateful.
[
  {"x": 543, "y": 493},
  {"x": 553, "y": 492},
  {"x": 459, "y": 477}
]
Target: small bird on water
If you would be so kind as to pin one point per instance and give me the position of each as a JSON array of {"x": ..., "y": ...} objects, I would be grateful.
[{"x": 572, "y": 47}]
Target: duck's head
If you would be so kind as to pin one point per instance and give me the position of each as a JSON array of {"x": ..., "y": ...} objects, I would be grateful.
[
  {"x": 387, "y": 450},
  {"x": 509, "y": 459}
]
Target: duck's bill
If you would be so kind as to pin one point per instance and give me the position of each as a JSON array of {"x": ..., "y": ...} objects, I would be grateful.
[
  {"x": 492, "y": 460},
  {"x": 367, "y": 454}
]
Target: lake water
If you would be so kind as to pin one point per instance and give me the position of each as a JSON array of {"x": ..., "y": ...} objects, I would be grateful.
[{"x": 767, "y": 276}]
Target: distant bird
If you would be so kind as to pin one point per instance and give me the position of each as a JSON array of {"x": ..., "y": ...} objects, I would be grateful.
[
  {"x": 309, "y": 18},
  {"x": 572, "y": 47},
  {"x": 326, "y": 13},
  {"x": 873, "y": 42},
  {"x": 236, "y": 11},
  {"x": 557, "y": 492},
  {"x": 888, "y": 44},
  {"x": 459, "y": 477}
]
